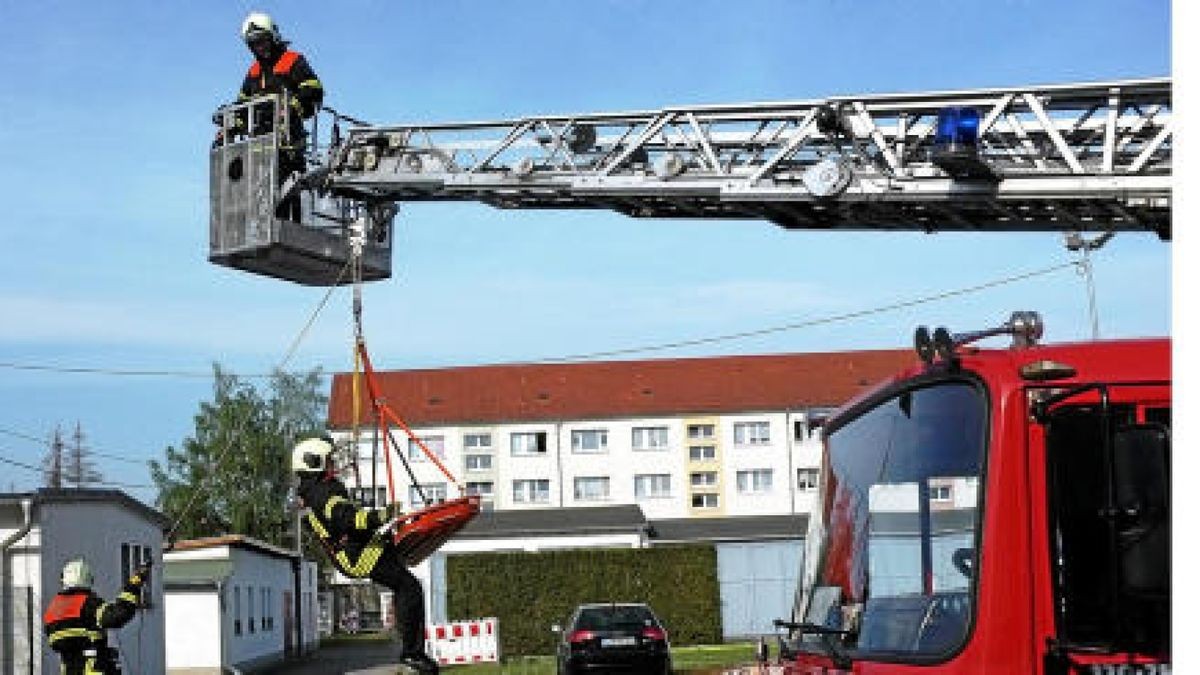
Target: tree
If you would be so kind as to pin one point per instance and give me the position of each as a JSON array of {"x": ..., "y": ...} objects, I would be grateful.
[
  {"x": 79, "y": 469},
  {"x": 52, "y": 463},
  {"x": 232, "y": 475}
]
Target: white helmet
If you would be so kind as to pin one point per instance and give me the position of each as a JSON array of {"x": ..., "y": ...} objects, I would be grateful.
[
  {"x": 310, "y": 455},
  {"x": 77, "y": 574},
  {"x": 260, "y": 24}
]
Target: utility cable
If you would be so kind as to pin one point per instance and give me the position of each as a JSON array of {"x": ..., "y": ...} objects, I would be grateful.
[
  {"x": 41, "y": 441},
  {"x": 287, "y": 356},
  {"x": 102, "y": 483},
  {"x": 616, "y": 352},
  {"x": 810, "y": 323}
]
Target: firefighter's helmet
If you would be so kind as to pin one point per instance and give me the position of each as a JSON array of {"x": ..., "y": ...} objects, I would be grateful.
[
  {"x": 311, "y": 454},
  {"x": 258, "y": 26},
  {"x": 77, "y": 574}
]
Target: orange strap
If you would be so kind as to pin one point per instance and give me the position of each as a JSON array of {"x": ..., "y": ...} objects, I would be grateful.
[
  {"x": 65, "y": 607},
  {"x": 386, "y": 413}
]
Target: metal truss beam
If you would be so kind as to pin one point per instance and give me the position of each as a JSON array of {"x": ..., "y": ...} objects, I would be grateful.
[{"x": 1093, "y": 156}]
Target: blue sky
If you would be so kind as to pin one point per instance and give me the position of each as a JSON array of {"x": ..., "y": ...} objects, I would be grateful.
[{"x": 103, "y": 239}]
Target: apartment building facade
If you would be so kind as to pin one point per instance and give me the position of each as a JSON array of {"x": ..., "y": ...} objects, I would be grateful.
[{"x": 703, "y": 437}]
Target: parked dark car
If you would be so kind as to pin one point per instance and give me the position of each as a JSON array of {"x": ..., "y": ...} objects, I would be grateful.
[{"x": 613, "y": 636}]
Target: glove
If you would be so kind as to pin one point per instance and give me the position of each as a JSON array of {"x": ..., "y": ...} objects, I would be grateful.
[
  {"x": 389, "y": 526},
  {"x": 141, "y": 576}
]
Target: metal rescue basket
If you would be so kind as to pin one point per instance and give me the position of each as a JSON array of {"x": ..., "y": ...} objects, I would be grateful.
[{"x": 246, "y": 229}]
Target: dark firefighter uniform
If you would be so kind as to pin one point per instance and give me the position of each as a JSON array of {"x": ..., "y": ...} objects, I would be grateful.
[
  {"x": 348, "y": 534},
  {"x": 76, "y": 624},
  {"x": 285, "y": 71}
]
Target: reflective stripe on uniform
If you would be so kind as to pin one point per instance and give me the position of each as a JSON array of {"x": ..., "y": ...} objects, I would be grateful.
[
  {"x": 67, "y": 633},
  {"x": 360, "y": 519},
  {"x": 366, "y": 560},
  {"x": 129, "y": 597},
  {"x": 311, "y": 84},
  {"x": 333, "y": 501}
]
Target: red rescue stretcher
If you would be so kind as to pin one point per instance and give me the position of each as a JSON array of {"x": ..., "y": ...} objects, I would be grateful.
[{"x": 422, "y": 532}]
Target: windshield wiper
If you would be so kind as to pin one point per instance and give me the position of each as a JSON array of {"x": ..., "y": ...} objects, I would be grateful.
[{"x": 832, "y": 649}]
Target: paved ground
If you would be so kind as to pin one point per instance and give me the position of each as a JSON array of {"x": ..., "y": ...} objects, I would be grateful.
[{"x": 359, "y": 658}]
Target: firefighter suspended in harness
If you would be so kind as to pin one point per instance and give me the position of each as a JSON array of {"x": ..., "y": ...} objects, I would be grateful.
[
  {"x": 280, "y": 70},
  {"x": 77, "y": 620},
  {"x": 359, "y": 543}
]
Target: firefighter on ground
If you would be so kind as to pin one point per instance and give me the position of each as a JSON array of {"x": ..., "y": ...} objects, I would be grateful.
[
  {"x": 279, "y": 70},
  {"x": 359, "y": 543},
  {"x": 77, "y": 620}
]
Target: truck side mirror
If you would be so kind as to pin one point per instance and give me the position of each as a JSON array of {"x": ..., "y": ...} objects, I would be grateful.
[{"x": 1142, "y": 477}]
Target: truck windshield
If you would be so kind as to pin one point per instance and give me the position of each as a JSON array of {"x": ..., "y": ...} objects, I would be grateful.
[{"x": 893, "y": 547}]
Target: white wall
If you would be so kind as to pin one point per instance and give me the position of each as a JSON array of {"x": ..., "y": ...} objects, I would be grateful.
[
  {"x": 560, "y": 465},
  {"x": 22, "y": 569},
  {"x": 252, "y": 572},
  {"x": 193, "y": 629}
]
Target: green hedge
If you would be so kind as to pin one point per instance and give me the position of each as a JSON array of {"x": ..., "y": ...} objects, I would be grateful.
[{"x": 529, "y": 592}]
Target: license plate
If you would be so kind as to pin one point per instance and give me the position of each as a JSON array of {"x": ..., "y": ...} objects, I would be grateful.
[{"x": 618, "y": 642}]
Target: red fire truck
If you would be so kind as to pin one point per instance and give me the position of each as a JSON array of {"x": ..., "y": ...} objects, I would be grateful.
[{"x": 994, "y": 511}]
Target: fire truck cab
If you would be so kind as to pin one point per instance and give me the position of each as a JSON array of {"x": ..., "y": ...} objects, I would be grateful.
[{"x": 995, "y": 511}]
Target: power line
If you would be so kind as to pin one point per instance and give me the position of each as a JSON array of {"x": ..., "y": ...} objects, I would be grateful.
[
  {"x": 35, "y": 439},
  {"x": 591, "y": 355},
  {"x": 103, "y": 483},
  {"x": 813, "y": 322}
]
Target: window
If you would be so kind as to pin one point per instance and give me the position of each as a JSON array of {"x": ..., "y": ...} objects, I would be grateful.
[
  {"x": 366, "y": 496},
  {"x": 436, "y": 445},
  {"x": 751, "y": 433},
  {"x": 652, "y": 486},
  {"x": 485, "y": 489},
  {"x": 815, "y": 424},
  {"x": 477, "y": 442},
  {"x": 699, "y": 432},
  {"x": 528, "y": 443},
  {"x": 479, "y": 462},
  {"x": 237, "y": 610},
  {"x": 591, "y": 488},
  {"x": 535, "y": 491},
  {"x": 880, "y": 462},
  {"x": 649, "y": 438},
  {"x": 702, "y": 453},
  {"x": 940, "y": 493},
  {"x": 589, "y": 440},
  {"x": 704, "y": 501},
  {"x": 250, "y": 605},
  {"x": 263, "y": 596},
  {"x": 704, "y": 478},
  {"x": 807, "y": 479},
  {"x": 434, "y": 493},
  {"x": 754, "y": 481}
]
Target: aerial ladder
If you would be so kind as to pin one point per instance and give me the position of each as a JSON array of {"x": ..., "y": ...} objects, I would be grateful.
[{"x": 1093, "y": 157}]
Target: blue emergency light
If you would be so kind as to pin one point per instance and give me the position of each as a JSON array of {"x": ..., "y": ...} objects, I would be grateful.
[
  {"x": 956, "y": 145},
  {"x": 957, "y": 129}
]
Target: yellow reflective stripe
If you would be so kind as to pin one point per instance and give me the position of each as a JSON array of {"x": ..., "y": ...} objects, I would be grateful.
[
  {"x": 360, "y": 519},
  {"x": 317, "y": 526},
  {"x": 128, "y": 597},
  {"x": 333, "y": 501},
  {"x": 67, "y": 633},
  {"x": 313, "y": 83},
  {"x": 366, "y": 560}
]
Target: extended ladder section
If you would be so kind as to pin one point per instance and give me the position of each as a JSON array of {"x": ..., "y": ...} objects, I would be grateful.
[{"x": 1083, "y": 157}]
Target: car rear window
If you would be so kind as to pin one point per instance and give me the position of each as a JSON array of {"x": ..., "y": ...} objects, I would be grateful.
[{"x": 614, "y": 618}]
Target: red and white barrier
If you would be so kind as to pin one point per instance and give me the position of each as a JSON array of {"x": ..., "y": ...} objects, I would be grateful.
[{"x": 458, "y": 642}]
